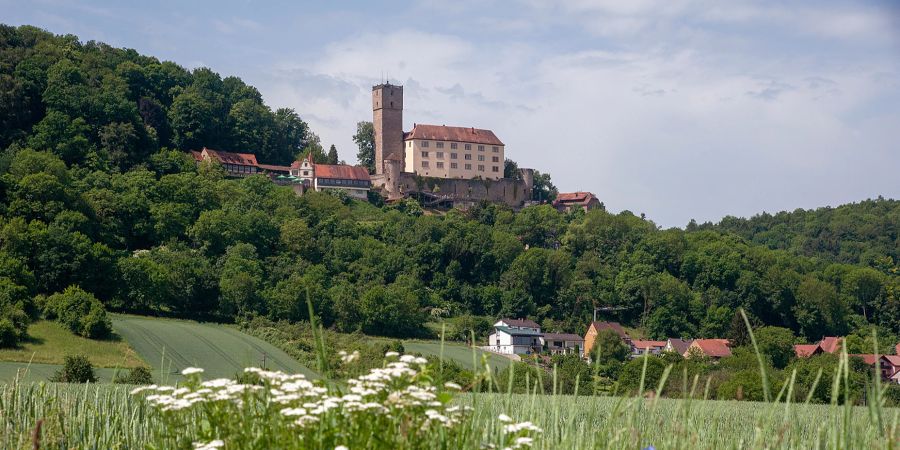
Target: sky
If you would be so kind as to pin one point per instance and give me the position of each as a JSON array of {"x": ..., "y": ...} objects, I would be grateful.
[{"x": 678, "y": 109}]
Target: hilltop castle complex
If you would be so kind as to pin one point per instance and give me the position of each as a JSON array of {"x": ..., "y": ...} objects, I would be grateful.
[{"x": 454, "y": 166}]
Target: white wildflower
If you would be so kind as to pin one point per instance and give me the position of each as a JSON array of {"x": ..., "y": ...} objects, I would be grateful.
[
  {"x": 341, "y": 447},
  {"x": 504, "y": 418},
  {"x": 191, "y": 371},
  {"x": 211, "y": 445},
  {"x": 452, "y": 385},
  {"x": 391, "y": 355},
  {"x": 517, "y": 427},
  {"x": 347, "y": 359}
]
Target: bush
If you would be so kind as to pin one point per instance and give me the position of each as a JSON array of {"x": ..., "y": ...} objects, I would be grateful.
[
  {"x": 630, "y": 375},
  {"x": 76, "y": 369},
  {"x": 8, "y": 335},
  {"x": 138, "y": 375},
  {"x": 80, "y": 311}
]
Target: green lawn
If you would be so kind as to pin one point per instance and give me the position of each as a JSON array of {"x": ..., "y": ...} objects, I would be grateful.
[
  {"x": 49, "y": 342},
  {"x": 458, "y": 353},
  {"x": 170, "y": 345}
]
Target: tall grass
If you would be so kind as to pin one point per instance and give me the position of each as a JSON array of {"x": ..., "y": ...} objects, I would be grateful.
[{"x": 99, "y": 416}]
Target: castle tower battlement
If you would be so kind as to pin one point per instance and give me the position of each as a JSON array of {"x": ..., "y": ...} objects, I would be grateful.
[{"x": 387, "y": 120}]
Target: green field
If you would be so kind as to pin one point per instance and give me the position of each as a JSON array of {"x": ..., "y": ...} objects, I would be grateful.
[
  {"x": 49, "y": 342},
  {"x": 170, "y": 345},
  {"x": 36, "y": 372},
  {"x": 458, "y": 353}
]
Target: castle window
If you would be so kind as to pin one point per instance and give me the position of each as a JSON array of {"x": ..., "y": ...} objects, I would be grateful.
[
  {"x": 495, "y": 159},
  {"x": 481, "y": 168},
  {"x": 481, "y": 157},
  {"x": 440, "y": 165},
  {"x": 468, "y": 156},
  {"x": 495, "y": 169},
  {"x": 495, "y": 149},
  {"x": 468, "y": 167},
  {"x": 424, "y": 154},
  {"x": 480, "y": 148},
  {"x": 453, "y": 145},
  {"x": 425, "y": 164},
  {"x": 453, "y": 156},
  {"x": 409, "y": 144},
  {"x": 453, "y": 165},
  {"x": 439, "y": 144},
  {"x": 468, "y": 146},
  {"x": 424, "y": 143},
  {"x": 440, "y": 155},
  {"x": 305, "y": 173}
]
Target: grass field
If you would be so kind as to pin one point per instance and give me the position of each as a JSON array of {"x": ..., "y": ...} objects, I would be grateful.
[
  {"x": 106, "y": 416},
  {"x": 42, "y": 372},
  {"x": 457, "y": 353},
  {"x": 170, "y": 345},
  {"x": 49, "y": 342}
]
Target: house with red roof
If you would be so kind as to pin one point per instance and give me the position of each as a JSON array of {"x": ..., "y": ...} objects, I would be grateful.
[
  {"x": 237, "y": 164},
  {"x": 828, "y": 344},
  {"x": 453, "y": 152},
  {"x": 711, "y": 348},
  {"x": 677, "y": 345},
  {"x": 567, "y": 201},
  {"x": 888, "y": 364},
  {"x": 641, "y": 347},
  {"x": 596, "y": 327},
  {"x": 557, "y": 343},
  {"x": 353, "y": 180}
]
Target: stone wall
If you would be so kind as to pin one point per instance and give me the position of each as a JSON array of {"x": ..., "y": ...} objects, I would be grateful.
[{"x": 463, "y": 192}]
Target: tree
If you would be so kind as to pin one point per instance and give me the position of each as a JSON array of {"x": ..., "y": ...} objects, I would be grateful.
[
  {"x": 511, "y": 169},
  {"x": 819, "y": 309},
  {"x": 76, "y": 369},
  {"x": 777, "y": 343},
  {"x": 629, "y": 378},
  {"x": 543, "y": 189},
  {"x": 79, "y": 311},
  {"x": 365, "y": 141},
  {"x": 139, "y": 375},
  {"x": 332, "y": 155},
  {"x": 609, "y": 353}
]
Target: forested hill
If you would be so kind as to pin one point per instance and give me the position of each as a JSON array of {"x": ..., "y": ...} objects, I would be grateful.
[
  {"x": 101, "y": 209},
  {"x": 108, "y": 108},
  {"x": 865, "y": 232}
]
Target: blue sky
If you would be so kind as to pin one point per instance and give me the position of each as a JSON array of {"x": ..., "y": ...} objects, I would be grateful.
[{"x": 678, "y": 109}]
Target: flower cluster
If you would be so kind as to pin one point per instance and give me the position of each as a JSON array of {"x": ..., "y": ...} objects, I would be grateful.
[
  {"x": 517, "y": 435},
  {"x": 398, "y": 401}
]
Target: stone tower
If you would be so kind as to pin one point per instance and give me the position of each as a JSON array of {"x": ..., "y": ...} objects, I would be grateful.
[{"x": 387, "y": 119}]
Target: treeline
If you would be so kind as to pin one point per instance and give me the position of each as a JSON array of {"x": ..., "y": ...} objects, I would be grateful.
[
  {"x": 857, "y": 233},
  {"x": 106, "y": 108},
  {"x": 149, "y": 232}
]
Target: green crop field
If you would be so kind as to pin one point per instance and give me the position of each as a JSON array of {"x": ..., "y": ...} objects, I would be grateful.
[
  {"x": 49, "y": 342},
  {"x": 170, "y": 345},
  {"x": 457, "y": 353},
  {"x": 35, "y": 372}
]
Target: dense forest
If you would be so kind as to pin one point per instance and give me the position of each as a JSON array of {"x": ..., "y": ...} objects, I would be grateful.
[{"x": 100, "y": 206}]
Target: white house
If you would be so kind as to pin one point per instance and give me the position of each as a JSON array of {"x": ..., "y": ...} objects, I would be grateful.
[
  {"x": 640, "y": 347},
  {"x": 353, "y": 180},
  {"x": 515, "y": 337},
  {"x": 562, "y": 343}
]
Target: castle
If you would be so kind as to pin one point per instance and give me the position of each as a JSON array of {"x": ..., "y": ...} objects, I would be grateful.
[{"x": 439, "y": 165}]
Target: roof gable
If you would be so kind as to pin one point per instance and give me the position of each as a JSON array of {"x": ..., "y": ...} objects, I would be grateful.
[
  {"x": 716, "y": 348},
  {"x": 244, "y": 159},
  {"x": 520, "y": 323},
  {"x": 830, "y": 344},
  {"x": 680, "y": 345},
  {"x": 600, "y": 326},
  {"x": 459, "y": 134}
]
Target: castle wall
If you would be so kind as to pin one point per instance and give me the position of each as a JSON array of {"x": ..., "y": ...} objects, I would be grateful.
[{"x": 505, "y": 190}]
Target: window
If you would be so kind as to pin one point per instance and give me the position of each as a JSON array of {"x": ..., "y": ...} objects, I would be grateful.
[
  {"x": 480, "y": 148},
  {"x": 481, "y": 157},
  {"x": 468, "y": 156},
  {"x": 453, "y": 145},
  {"x": 440, "y": 165},
  {"x": 409, "y": 144},
  {"x": 453, "y": 156},
  {"x": 495, "y": 149},
  {"x": 424, "y": 154},
  {"x": 468, "y": 146},
  {"x": 495, "y": 169},
  {"x": 424, "y": 144},
  {"x": 425, "y": 164},
  {"x": 439, "y": 144},
  {"x": 453, "y": 165},
  {"x": 495, "y": 159},
  {"x": 468, "y": 167},
  {"x": 440, "y": 155},
  {"x": 481, "y": 168}
]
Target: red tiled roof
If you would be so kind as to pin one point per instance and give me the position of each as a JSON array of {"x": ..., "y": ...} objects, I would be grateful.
[
  {"x": 716, "y": 348},
  {"x": 245, "y": 159},
  {"x": 274, "y": 168},
  {"x": 643, "y": 345},
  {"x": 197, "y": 155},
  {"x": 459, "y": 134},
  {"x": 574, "y": 197},
  {"x": 680, "y": 345},
  {"x": 342, "y": 172},
  {"x": 562, "y": 337},
  {"x": 897, "y": 349},
  {"x": 894, "y": 360},
  {"x": 520, "y": 323},
  {"x": 600, "y": 326},
  {"x": 806, "y": 350},
  {"x": 867, "y": 358},
  {"x": 830, "y": 344},
  {"x": 296, "y": 164}
]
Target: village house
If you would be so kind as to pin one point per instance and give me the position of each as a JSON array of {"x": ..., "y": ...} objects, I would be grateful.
[
  {"x": 562, "y": 343},
  {"x": 712, "y": 348},
  {"x": 567, "y": 201},
  {"x": 679, "y": 346},
  {"x": 515, "y": 337},
  {"x": 889, "y": 364},
  {"x": 641, "y": 347},
  {"x": 596, "y": 327},
  {"x": 353, "y": 180},
  {"x": 828, "y": 344}
]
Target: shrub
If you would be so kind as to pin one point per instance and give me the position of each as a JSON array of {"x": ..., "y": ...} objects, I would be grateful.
[
  {"x": 76, "y": 369},
  {"x": 80, "y": 311},
  {"x": 8, "y": 335},
  {"x": 137, "y": 375}
]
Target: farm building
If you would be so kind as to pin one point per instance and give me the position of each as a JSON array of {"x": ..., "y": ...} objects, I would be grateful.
[
  {"x": 711, "y": 348},
  {"x": 596, "y": 327},
  {"x": 567, "y": 201}
]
